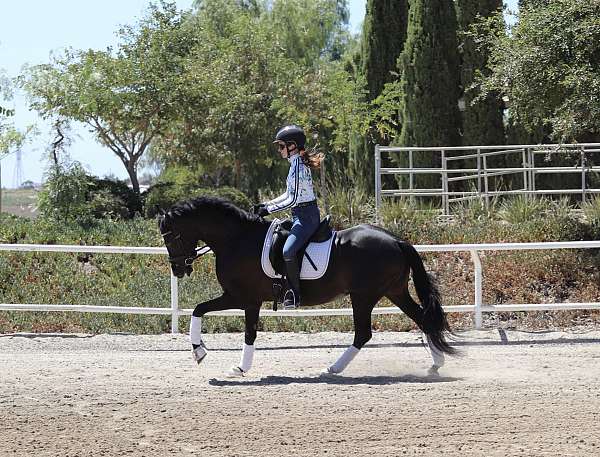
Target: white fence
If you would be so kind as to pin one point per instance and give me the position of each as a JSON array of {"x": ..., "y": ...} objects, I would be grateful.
[
  {"x": 474, "y": 249},
  {"x": 479, "y": 177}
]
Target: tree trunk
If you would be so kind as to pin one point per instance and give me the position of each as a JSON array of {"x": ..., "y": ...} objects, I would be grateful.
[{"x": 131, "y": 167}]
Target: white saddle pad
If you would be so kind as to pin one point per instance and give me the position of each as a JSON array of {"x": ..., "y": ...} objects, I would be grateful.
[{"x": 318, "y": 252}]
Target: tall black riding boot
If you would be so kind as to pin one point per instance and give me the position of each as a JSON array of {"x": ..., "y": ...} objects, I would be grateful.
[{"x": 292, "y": 296}]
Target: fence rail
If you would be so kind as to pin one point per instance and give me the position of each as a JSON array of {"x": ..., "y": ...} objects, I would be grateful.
[
  {"x": 478, "y": 307},
  {"x": 477, "y": 171}
]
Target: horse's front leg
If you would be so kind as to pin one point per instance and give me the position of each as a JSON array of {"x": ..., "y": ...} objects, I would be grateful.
[
  {"x": 221, "y": 303},
  {"x": 251, "y": 315}
]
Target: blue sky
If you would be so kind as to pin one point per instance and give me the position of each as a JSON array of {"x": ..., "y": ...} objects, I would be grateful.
[{"x": 31, "y": 31}]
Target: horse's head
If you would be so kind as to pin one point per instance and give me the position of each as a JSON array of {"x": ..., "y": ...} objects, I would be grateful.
[{"x": 181, "y": 246}]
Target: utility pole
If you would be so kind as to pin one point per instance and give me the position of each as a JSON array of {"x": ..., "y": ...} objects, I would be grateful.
[{"x": 18, "y": 174}]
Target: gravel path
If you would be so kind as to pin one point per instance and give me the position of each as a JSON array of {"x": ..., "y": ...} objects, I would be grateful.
[{"x": 510, "y": 394}]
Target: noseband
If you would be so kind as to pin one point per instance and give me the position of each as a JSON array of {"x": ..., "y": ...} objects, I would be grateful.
[{"x": 186, "y": 259}]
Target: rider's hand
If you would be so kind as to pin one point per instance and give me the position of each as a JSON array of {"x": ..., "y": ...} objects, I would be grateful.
[{"x": 262, "y": 211}]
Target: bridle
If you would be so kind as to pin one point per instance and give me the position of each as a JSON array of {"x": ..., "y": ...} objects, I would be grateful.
[{"x": 185, "y": 259}]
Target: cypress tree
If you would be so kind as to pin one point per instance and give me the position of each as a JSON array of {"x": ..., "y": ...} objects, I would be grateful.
[
  {"x": 482, "y": 122},
  {"x": 430, "y": 81},
  {"x": 384, "y": 32},
  {"x": 383, "y": 36}
]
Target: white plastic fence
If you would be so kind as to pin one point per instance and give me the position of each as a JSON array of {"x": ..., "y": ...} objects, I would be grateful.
[{"x": 474, "y": 249}]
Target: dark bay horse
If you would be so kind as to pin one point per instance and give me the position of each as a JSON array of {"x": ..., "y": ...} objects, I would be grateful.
[{"x": 366, "y": 262}]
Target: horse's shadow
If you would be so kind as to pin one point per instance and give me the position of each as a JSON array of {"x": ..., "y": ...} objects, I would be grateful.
[{"x": 332, "y": 379}]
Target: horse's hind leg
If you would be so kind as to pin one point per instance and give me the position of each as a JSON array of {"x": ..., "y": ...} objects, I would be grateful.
[
  {"x": 362, "y": 307},
  {"x": 412, "y": 309}
]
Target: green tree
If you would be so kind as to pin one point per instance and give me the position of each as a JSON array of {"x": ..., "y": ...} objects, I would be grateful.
[
  {"x": 65, "y": 192},
  {"x": 225, "y": 121},
  {"x": 11, "y": 139},
  {"x": 548, "y": 67},
  {"x": 305, "y": 39},
  {"x": 482, "y": 122},
  {"x": 383, "y": 36},
  {"x": 125, "y": 96},
  {"x": 249, "y": 73},
  {"x": 430, "y": 81}
]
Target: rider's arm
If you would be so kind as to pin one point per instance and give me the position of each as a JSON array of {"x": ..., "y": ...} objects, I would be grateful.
[
  {"x": 290, "y": 197},
  {"x": 277, "y": 200}
]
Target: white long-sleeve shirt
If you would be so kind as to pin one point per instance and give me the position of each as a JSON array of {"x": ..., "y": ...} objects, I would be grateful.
[{"x": 299, "y": 187}]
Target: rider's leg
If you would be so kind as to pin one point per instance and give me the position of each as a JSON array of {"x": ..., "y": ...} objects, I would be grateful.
[
  {"x": 292, "y": 267},
  {"x": 305, "y": 222}
]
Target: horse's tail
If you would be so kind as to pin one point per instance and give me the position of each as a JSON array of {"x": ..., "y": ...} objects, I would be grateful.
[{"x": 434, "y": 322}]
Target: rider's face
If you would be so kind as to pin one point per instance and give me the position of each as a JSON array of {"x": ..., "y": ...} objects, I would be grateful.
[{"x": 286, "y": 150}]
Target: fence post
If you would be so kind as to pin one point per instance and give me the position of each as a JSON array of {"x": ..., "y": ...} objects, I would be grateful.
[
  {"x": 174, "y": 304},
  {"x": 479, "y": 174},
  {"x": 531, "y": 172},
  {"x": 377, "y": 182},
  {"x": 445, "y": 196},
  {"x": 478, "y": 288},
  {"x": 486, "y": 182},
  {"x": 583, "y": 180},
  {"x": 525, "y": 172}
]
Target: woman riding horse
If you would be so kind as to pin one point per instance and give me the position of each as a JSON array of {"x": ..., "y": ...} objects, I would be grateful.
[
  {"x": 366, "y": 262},
  {"x": 299, "y": 197}
]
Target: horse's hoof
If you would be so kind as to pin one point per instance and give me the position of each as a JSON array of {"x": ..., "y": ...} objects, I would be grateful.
[
  {"x": 199, "y": 354},
  {"x": 329, "y": 372},
  {"x": 235, "y": 372},
  {"x": 433, "y": 371}
]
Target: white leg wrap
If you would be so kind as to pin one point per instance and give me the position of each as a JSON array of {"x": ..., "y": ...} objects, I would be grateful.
[
  {"x": 345, "y": 359},
  {"x": 438, "y": 357},
  {"x": 247, "y": 357},
  {"x": 196, "y": 330}
]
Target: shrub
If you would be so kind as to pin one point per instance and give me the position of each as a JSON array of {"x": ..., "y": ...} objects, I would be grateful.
[
  {"x": 523, "y": 209},
  {"x": 112, "y": 198},
  {"x": 591, "y": 210},
  {"x": 65, "y": 192},
  {"x": 166, "y": 194},
  {"x": 350, "y": 206},
  {"x": 71, "y": 193}
]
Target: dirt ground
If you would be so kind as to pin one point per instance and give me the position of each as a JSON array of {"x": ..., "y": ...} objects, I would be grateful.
[{"x": 510, "y": 394}]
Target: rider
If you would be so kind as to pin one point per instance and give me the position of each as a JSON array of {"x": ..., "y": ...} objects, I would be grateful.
[{"x": 300, "y": 198}]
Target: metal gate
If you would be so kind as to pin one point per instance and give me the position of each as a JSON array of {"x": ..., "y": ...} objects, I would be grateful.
[{"x": 464, "y": 173}]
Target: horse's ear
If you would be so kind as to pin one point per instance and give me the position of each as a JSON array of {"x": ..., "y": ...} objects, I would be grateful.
[{"x": 159, "y": 210}]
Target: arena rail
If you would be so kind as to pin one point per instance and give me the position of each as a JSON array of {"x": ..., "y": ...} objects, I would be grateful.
[{"x": 474, "y": 249}]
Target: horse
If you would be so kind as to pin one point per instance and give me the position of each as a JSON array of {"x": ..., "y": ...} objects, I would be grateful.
[{"x": 366, "y": 262}]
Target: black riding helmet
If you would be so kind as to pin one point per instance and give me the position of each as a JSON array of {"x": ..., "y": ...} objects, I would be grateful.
[{"x": 291, "y": 134}]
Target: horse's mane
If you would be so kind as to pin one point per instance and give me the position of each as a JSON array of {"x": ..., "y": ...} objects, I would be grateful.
[{"x": 196, "y": 206}]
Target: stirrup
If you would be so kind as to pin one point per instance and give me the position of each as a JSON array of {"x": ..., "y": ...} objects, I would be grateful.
[{"x": 290, "y": 300}]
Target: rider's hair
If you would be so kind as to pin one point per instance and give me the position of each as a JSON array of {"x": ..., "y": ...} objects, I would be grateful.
[{"x": 312, "y": 158}]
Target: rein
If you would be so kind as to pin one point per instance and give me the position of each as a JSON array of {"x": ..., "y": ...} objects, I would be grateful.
[{"x": 188, "y": 260}]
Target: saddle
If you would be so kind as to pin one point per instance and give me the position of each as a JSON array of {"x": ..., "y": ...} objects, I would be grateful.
[{"x": 281, "y": 234}]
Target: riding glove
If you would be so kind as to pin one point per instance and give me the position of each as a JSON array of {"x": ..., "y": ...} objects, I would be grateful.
[{"x": 260, "y": 210}]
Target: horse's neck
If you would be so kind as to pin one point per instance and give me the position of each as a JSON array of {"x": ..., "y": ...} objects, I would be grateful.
[{"x": 222, "y": 241}]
